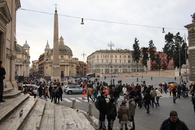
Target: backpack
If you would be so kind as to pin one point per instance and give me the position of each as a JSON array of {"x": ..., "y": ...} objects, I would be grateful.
[{"x": 97, "y": 103}]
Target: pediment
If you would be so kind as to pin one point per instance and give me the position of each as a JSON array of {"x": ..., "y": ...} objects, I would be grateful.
[{"x": 4, "y": 12}]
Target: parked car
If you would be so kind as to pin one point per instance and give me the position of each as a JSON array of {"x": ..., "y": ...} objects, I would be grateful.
[{"x": 69, "y": 89}]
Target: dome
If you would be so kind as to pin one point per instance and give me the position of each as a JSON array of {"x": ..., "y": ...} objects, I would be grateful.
[
  {"x": 26, "y": 44},
  {"x": 20, "y": 50},
  {"x": 64, "y": 50}
]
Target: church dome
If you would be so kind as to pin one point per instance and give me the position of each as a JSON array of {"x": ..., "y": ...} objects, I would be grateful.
[
  {"x": 20, "y": 50},
  {"x": 64, "y": 50},
  {"x": 26, "y": 45}
]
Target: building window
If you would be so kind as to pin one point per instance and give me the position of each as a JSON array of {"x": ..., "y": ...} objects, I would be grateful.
[
  {"x": 115, "y": 56},
  {"x": 115, "y": 61},
  {"x": 120, "y": 61},
  {"x": 102, "y": 61},
  {"x": 111, "y": 56},
  {"x": 97, "y": 61},
  {"x": 129, "y": 56},
  {"x": 106, "y": 61},
  {"x": 124, "y": 61},
  {"x": 129, "y": 61},
  {"x": 124, "y": 56},
  {"x": 62, "y": 57}
]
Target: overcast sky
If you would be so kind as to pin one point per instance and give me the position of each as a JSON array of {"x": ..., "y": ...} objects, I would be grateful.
[{"x": 119, "y": 21}]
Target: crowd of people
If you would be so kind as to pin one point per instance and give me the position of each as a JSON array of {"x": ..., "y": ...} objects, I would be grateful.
[{"x": 135, "y": 95}]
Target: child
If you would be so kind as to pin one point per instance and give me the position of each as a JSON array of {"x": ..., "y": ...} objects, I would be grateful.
[{"x": 35, "y": 92}]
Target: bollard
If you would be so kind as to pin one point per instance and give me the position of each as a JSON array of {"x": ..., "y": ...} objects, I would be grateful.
[
  {"x": 74, "y": 104},
  {"x": 90, "y": 109}
]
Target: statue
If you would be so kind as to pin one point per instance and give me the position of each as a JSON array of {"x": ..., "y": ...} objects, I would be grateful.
[{"x": 193, "y": 18}]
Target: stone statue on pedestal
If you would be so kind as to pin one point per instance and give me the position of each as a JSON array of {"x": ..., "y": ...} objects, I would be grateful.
[{"x": 193, "y": 18}]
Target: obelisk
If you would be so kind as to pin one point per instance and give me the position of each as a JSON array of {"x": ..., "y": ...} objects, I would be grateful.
[{"x": 55, "y": 67}]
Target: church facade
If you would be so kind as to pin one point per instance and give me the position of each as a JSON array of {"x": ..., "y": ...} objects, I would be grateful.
[
  {"x": 22, "y": 60},
  {"x": 66, "y": 61}
]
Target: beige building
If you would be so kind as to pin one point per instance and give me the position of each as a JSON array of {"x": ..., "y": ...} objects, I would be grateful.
[
  {"x": 191, "y": 49},
  {"x": 22, "y": 60},
  {"x": 66, "y": 61},
  {"x": 118, "y": 61},
  {"x": 7, "y": 39}
]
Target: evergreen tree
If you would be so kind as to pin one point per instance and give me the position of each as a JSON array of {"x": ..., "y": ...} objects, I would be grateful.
[
  {"x": 175, "y": 48},
  {"x": 145, "y": 57},
  {"x": 158, "y": 61},
  {"x": 169, "y": 47},
  {"x": 136, "y": 52},
  {"x": 152, "y": 51}
]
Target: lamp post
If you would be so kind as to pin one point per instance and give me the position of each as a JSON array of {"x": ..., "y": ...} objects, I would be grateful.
[
  {"x": 111, "y": 45},
  {"x": 83, "y": 54}
]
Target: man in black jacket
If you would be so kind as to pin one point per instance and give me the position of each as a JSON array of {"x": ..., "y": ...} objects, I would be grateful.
[
  {"x": 102, "y": 111},
  {"x": 2, "y": 77},
  {"x": 173, "y": 123}
]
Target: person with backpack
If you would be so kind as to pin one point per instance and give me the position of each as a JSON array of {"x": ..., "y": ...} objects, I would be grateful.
[
  {"x": 132, "y": 106},
  {"x": 193, "y": 101},
  {"x": 101, "y": 104},
  {"x": 111, "y": 113}
]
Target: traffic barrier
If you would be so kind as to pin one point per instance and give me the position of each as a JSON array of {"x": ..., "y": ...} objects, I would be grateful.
[{"x": 83, "y": 95}]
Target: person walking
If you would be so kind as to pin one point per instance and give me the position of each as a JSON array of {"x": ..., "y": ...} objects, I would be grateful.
[
  {"x": 95, "y": 93},
  {"x": 89, "y": 93},
  {"x": 173, "y": 123},
  {"x": 2, "y": 77},
  {"x": 158, "y": 95},
  {"x": 174, "y": 92},
  {"x": 147, "y": 99},
  {"x": 46, "y": 91},
  {"x": 153, "y": 94},
  {"x": 132, "y": 106},
  {"x": 102, "y": 111},
  {"x": 123, "y": 115},
  {"x": 111, "y": 113}
]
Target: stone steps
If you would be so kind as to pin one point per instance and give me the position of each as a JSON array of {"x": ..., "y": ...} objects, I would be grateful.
[
  {"x": 10, "y": 105},
  {"x": 39, "y": 114},
  {"x": 33, "y": 121},
  {"x": 14, "y": 121},
  {"x": 47, "y": 122}
]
